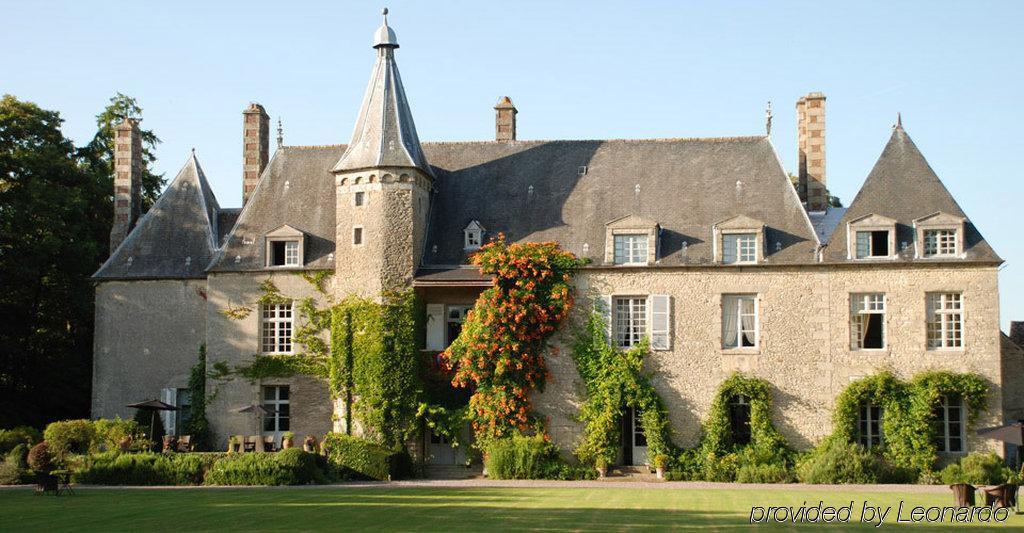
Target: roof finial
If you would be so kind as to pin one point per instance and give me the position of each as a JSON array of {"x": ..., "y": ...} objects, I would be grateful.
[
  {"x": 768, "y": 119},
  {"x": 280, "y": 133},
  {"x": 899, "y": 120},
  {"x": 385, "y": 36},
  {"x": 385, "y": 13}
]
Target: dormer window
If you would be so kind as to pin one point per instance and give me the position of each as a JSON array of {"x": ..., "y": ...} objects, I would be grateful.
[
  {"x": 285, "y": 247},
  {"x": 872, "y": 244},
  {"x": 473, "y": 236},
  {"x": 939, "y": 235},
  {"x": 739, "y": 241},
  {"x": 631, "y": 241},
  {"x": 871, "y": 237}
]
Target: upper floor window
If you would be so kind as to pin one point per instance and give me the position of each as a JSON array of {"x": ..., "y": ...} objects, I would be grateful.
[
  {"x": 945, "y": 320},
  {"x": 285, "y": 247},
  {"x": 455, "y": 317},
  {"x": 869, "y": 425},
  {"x": 948, "y": 417},
  {"x": 630, "y": 320},
  {"x": 872, "y": 244},
  {"x": 359, "y": 199},
  {"x": 867, "y": 321},
  {"x": 276, "y": 324},
  {"x": 357, "y": 236},
  {"x": 739, "y": 248},
  {"x": 938, "y": 242},
  {"x": 473, "y": 236},
  {"x": 631, "y": 249},
  {"x": 739, "y": 321}
]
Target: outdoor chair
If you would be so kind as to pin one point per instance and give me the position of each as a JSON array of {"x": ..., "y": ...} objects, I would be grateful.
[
  {"x": 963, "y": 494},
  {"x": 185, "y": 443},
  {"x": 46, "y": 483},
  {"x": 1004, "y": 495},
  {"x": 268, "y": 444},
  {"x": 169, "y": 443},
  {"x": 250, "y": 443}
]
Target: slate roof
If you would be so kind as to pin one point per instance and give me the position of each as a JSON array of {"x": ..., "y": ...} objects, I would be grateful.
[
  {"x": 175, "y": 238},
  {"x": 903, "y": 186}
]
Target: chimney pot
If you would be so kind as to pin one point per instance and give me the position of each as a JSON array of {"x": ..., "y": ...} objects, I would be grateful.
[
  {"x": 255, "y": 147},
  {"x": 810, "y": 120},
  {"x": 128, "y": 168},
  {"x": 505, "y": 120}
]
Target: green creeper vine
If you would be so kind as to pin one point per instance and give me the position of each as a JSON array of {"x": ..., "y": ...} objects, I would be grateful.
[
  {"x": 317, "y": 278},
  {"x": 908, "y": 412},
  {"x": 718, "y": 439},
  {"x": 614, "y": 380}
]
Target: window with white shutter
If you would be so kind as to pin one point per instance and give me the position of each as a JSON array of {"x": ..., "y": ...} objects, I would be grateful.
[
  {"x": 435, "y": 327},
  {"x": 170, "y": 397},
  {"x": 660, "y": 309}
]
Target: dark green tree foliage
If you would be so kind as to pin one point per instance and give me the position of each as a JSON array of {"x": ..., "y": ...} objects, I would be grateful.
[
  {"x": 101, "y": 149},
  {"x": 198, "y": 425},
  {"x": 54, "y": 226}
]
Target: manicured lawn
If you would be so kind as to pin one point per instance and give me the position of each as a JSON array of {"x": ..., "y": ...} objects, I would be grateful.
[{"x": 424, "y": 509}]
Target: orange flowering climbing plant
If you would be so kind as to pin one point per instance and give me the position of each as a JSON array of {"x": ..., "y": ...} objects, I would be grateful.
[{"x": 500, "y": 352}]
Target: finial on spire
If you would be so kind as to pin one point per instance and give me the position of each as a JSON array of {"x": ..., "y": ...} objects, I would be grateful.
[
  {"x": 385, "y": 13},
  {"x": 385, "y": 36},
  {"x": 899, "y": 120},
  {"x": 280, "y": 133},
  {"x": 768, "y": 119}
]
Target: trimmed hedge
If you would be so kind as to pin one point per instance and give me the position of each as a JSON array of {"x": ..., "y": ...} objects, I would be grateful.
[
  {"x": 365, "y": 458},
  {"x": 530, "y": 457},
  {"x": 70, "y": 436},
  {"x": 9, "y": 438},
  {"x": 287, "y": 467},
  {"x": 979, "y": 468}
]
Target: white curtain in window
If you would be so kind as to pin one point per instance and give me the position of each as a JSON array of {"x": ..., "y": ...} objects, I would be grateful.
[
  {"x": 729, "y": 319},
  {"x": 748, "y": 321}
]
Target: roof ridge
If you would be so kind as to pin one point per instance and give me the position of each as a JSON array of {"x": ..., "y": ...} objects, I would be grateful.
[{"x": 735, "y": 138}]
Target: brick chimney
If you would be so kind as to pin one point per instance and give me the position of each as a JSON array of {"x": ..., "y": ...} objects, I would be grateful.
[
  {"x": 810, "y": 122},
  {"x": 256, "y": 151},
  {"x": 505, "y": 120},
  {"x": 1017, "y": 333},
  {"x": 128, "y": 169}
]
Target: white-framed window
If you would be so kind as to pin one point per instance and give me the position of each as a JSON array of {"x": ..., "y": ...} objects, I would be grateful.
[
  {"x": 867, "y": 321},
  {"x": 359, "y": 199},
  {"x": 939, "y": 242},
  {"x": 454, "y": 317},
  {"x": 869, "y": 425},
  {"x": 739, "y": 248},
  {"x": 739, "y": 321},
  {"x": 473, "y": 239},
  {"x": 945, "y": 320},
  {"x": 631, "y": 249},
  {"x": 630, "y": 320},
  {"x": 277, "y": 402},
  {"x": 949, "y": 424},
  {"x": 357, "y": 236},
  {"x": 284, "y": 253},
  {"x": 276, "y": 324},
  {"x": 872, "y": 244}
]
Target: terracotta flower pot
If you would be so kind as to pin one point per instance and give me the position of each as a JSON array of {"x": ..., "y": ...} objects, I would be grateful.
[
  {"x": 602, "y": 472},
  {"x": 286, "y": 443},
  {"x": 660, "y": 472}
]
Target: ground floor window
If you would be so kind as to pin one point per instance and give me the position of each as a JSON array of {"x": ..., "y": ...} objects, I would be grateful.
[
  {"x": 739, "y": 419},
  {"x": 184, "y": 404},
  {"x": 278, "y": 405},
  {"x": 869, "y": 425},
  {"x": 949, "y": 424}
]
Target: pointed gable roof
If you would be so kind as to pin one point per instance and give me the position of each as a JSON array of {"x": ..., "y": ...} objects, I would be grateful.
[
  {"x": 903, "y": 186},
  {"x": 385, "y": 134},
  {"x": 176, "y": 238}
]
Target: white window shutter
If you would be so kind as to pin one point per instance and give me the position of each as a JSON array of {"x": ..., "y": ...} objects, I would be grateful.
[
  {"x": 660, "y": 311},
  {"x": 169, "y": 396},
  {"x": 604, "y": 308},
  {"x": 435, "y": 327}
]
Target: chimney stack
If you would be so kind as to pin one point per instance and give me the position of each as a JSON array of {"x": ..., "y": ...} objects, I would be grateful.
[
  {"x": 1017, "y": 333},
  {"x": 810, "y": 121},
  {"x": 128, "y": 169},
  {"x": 505, "y": 120},
  {"x": 256, "y": 152}
]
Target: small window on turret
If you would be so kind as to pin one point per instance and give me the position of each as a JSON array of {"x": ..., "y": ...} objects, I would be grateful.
[
  {"x": 357, "y": 236},
  {"x": 359, "y": 199}
]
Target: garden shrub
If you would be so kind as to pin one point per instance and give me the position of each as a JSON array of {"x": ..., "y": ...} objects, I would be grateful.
[
  {"x": 979, "y": 468},
  {"x": 40, "y": 459},
  {"x": 530, "y": 457},
  {"x": 147, "y": 468},
  {"x": 363, "y": 457},
  {"x": 70, "y": 436},
  {"x": 9, "y": 438},
  {"x": 13, "y": 470},
  {"x": 110, "y": 432},
  {"x": 287, "y": 467},
  {"x": 837, "y": 461}
]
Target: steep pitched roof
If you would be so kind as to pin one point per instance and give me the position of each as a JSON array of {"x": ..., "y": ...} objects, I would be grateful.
[
  {"x": 904, "y": 187},
  {"x": 540, "y": 190},
  {"x": 176, "y": 238}
]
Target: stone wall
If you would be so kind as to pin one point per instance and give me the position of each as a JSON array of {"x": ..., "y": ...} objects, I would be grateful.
[
  {"x": 147, "y": 338},
  {"x": 803, "y": 343},
  {"x": 237, "y": 341}
]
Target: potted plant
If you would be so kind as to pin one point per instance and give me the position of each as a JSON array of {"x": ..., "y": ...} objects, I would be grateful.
[
  {"x": 125, "y": 444},
  {"x": 233, "y": 444},
  {"x": 601, "y": 464},
  {"x": 287, "y": 439},
  {"x": 660, "y": 463},
  {"x": 309, "y": 444}
]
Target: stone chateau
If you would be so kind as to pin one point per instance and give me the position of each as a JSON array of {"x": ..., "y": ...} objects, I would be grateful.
[{"x": 703, "y": 245}]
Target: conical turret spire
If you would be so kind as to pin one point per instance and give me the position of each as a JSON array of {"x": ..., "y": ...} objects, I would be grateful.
[{"x": 385, "y": 135}]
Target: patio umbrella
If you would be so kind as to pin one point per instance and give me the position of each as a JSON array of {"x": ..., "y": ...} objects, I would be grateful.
[{"x": 153, "y": 406}]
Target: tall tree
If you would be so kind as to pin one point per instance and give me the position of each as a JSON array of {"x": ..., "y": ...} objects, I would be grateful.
[
  {"x": 102, "y": 146},
  {"x": 55, "y": 210}
]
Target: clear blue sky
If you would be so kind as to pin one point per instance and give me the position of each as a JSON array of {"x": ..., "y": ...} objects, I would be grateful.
[{"x": 574, "y": 69}]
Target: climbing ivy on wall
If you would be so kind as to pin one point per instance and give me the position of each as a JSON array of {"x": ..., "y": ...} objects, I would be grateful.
[
  {"x": 500, "y": 352},
  {"x": 718, "y": 439},
  {"x": 615, "y": 379},
  {"x": 907, "y": 412}
]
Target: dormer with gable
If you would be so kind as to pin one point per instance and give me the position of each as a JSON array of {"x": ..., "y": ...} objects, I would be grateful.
[
  {"x": 285, "y": 247},
  {"x": 631, "y": 241},
  {"x": 738, "y": 240},
  {"x": 939, "y": 236},
  {"x": 871, "y": 237}
]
